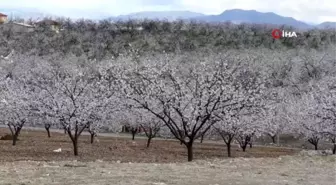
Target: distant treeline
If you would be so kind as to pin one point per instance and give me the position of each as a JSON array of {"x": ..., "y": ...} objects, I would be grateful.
[{"x": 98, "y": 40}]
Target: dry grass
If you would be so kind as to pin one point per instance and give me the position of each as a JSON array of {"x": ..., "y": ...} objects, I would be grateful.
[{"x": 287, "y": 170}]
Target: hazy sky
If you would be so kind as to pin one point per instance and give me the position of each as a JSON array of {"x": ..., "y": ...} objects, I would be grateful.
[{"x": 306, "y": 10}]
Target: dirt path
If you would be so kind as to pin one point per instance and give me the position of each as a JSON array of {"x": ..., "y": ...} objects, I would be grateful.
[{"x": 295, "y": 170}]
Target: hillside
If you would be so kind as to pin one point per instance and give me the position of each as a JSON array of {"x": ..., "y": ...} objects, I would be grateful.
[
  {"x": 252, "y": 16},
  {"x": 327, "y": 25}
]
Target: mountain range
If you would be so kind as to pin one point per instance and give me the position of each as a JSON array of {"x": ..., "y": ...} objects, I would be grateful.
[
  {"x": 167, "y": 15},
  {"x": 234, "y": 15}
]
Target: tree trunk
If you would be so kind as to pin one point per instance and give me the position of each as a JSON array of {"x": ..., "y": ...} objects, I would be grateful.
[
  {"x": 15, "y": 136},
  {"x": 190, "y": 151},
  {"x": 48, "y": 131},
  {"x": 228, "y": 142},
  {"x": 149, "y": 141},
  {"x": 202, "y": 138},
  {"x": 244, "y": 143},
  {"x": 75, "y": 145},
  {"x": 250, "y": 144},
  {"x": 133, "y": 135},
  {"x": 314, "y": 142},
  {"x": 244, "y": 148},
  {"x": 334, "y": 149},
  {"x": 273, "y": 139},
  {"x": 92, "y": 137},
  {"x": 228, "y": 146},
  {"x": 74, "y": 139}
]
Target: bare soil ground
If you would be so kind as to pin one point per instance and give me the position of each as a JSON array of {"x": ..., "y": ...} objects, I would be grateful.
[
  {"x": 36, "y": 146},
  {"x": 120, "y": 161}
]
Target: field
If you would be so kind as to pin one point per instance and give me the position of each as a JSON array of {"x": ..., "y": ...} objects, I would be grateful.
[
  {"x": 119, "y": 160},
  {"x": 253, "y": 171},
  {"x": 35, "y": 145}
]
